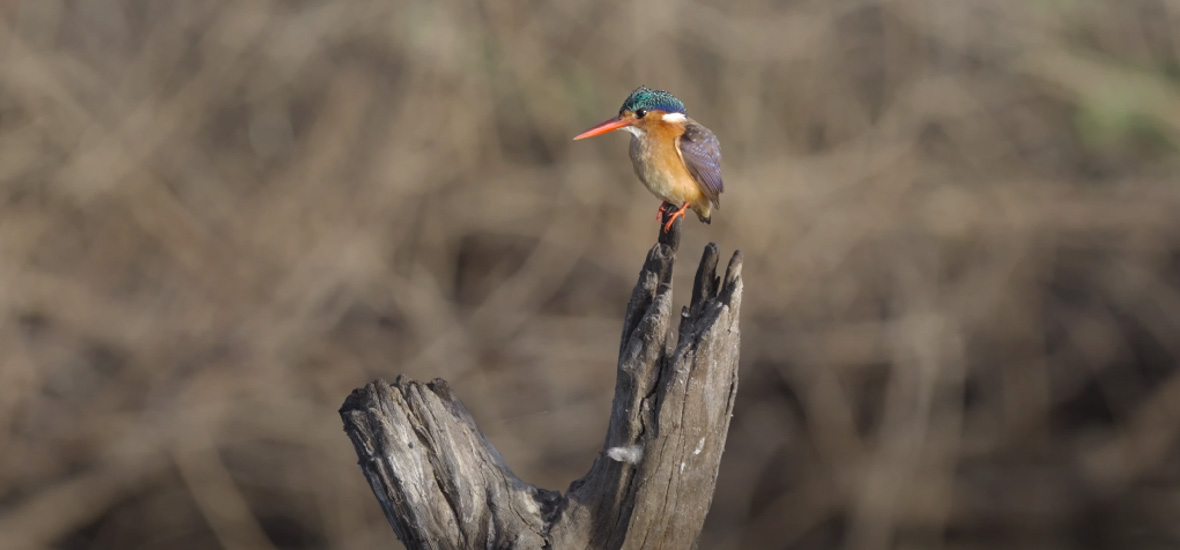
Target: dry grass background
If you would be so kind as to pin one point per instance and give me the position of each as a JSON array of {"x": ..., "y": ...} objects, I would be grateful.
[{"x": 959, "y": 221}]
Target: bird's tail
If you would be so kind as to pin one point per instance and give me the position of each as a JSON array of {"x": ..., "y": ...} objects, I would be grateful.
[{"x": 704, "y": 211}]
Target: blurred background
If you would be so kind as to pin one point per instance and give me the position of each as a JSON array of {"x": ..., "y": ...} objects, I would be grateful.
[{"x": 959, "y": 222}]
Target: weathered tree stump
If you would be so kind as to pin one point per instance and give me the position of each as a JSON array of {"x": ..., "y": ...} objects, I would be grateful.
[{"x": 442, "y": 485}]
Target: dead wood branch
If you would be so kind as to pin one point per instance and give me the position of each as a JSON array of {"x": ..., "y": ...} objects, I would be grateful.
[{"x": 442, "y": 485}]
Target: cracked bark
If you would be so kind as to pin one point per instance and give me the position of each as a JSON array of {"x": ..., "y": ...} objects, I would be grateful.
[{"x": 442, "y": 485}]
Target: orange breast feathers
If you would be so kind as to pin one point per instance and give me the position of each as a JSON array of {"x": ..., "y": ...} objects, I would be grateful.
[
  {"x": 679, "y": 184},
  {"x": 682, "y": 186}
]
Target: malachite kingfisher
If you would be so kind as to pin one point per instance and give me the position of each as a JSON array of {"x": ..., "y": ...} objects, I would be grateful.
[{"x": 676, "y": 158}]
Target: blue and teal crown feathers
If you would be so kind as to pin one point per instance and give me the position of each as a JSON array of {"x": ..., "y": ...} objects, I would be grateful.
[{"x": 652, "y": 100}]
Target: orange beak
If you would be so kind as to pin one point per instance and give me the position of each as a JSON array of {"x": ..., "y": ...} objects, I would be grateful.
[{"x": 608, "y": 126}]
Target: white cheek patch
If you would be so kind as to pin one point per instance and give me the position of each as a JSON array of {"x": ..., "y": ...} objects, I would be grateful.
[
  {"x": 635, "y": 131},
  {"x": 674, "y": 117}
]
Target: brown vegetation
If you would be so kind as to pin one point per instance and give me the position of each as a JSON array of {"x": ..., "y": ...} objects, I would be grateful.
[{"x": 959, "y": 222}]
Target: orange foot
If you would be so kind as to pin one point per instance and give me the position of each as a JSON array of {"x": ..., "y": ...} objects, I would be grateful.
[
  {"x": 660, "y": 215},
  {"x": 676, "y": 214}
]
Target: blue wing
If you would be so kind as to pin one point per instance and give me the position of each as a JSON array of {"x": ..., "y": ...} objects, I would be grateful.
[{"x": 701, "y": 153}]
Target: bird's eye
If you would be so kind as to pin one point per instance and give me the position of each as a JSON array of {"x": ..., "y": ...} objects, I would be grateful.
[{"x": 640, "y": 112}]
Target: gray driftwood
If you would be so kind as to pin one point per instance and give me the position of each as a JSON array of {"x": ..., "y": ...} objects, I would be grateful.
[{"x": 443, "y": 485}]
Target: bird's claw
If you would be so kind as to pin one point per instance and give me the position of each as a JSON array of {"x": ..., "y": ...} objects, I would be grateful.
[{"x": 677, "y": 214}]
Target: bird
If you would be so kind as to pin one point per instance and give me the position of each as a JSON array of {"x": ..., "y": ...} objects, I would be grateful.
[{"x": 676, "y": 158}]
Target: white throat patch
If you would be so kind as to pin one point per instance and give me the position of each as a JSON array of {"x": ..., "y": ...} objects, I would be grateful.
[{"x": 635, "y": 130}]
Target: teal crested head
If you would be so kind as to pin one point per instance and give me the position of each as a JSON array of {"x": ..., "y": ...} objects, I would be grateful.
[
  {"x": 633, "y": 114},
  {"x": 648, "y": 99}
]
